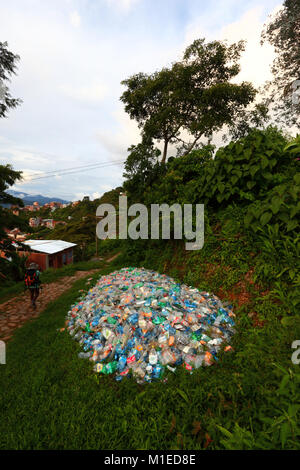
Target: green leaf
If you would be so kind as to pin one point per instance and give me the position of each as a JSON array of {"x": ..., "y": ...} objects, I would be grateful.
[
  {"x": 284, "y": 381},
  {"x": 292, "y": 274},
  {"x": 291, "y": 225},
  {"x": 251, "y": 184},
  {"x": 221, "y": 187},
  {"x": 248, "y": 153},
  {"x": 183, "y": 395},
  {"x": 253, "y": 170},
  {"x": 248, "y": 196},
  {"x": 284, "y": 433},
  {"x": 238, "y": 148},
  {"x": 256, "y": 211},
  {"x": 291, "y": 146},
  {"x": 248, "y": 219},
  {"x": 224, "y": 431},
  {"x": 297, "y": 178},
  {"x": 294, "y": 211},
  {"x": 265, "y": 218},
  {"x": 267, "y": 175},
  {"x": 258, "y": 142},
  {"x": 284, "y": 217},
  {"x": 264, "y": 162},
  {"x": 275, "y": 204},
  {"x": 283, "y": 271},
  {"x": 294, "y": 193}
]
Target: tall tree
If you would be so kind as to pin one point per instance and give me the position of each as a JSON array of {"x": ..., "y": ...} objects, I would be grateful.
[
  {"x": 141, "y": 169},
  {"x": 10, "y": 264},
  {"x": 194, "y": 97},
  {"x": 283, "y": 32},
  {"x": 8, "y": 62}
]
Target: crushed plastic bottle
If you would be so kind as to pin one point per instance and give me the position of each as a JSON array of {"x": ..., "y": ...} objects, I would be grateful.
[{"x": 139, "y": 323}]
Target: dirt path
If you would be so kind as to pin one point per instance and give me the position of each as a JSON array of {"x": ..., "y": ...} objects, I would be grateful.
[
  {"x": 16, "y": 311},
  {"x": 112, "y": 258}
]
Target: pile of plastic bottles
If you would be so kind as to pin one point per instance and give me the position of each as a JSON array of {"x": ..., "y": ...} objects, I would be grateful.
[{"x": 135, "y": 322}]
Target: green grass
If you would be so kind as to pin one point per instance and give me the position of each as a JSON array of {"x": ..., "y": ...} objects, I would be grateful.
[
  {"x": 8, "y": 292},
  {"x": 51, "y": 399}
]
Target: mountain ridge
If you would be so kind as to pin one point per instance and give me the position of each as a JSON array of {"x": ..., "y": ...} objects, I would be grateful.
[{"x": 31, "y": 198}]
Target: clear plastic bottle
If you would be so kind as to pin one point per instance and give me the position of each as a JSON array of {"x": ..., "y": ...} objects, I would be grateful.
[
  {"x": 153, "y": 357},
  {"x": 85, "y": 355}
]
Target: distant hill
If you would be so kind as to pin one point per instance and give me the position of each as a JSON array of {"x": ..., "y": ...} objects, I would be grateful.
[{"x": 29, "y": 198}]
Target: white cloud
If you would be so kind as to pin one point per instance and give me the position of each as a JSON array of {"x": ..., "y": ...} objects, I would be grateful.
[
  {"x": 18, "y": 156},
  {"x": 93, "y": 93},
  {"x": 96, "y": 195},
  {"x": 123, "y": 5},
  {"x": 75, "y": 19},
  {"x": 28, "y": 174},
  {"x": 117, "y": 141},
  {"x": 257, "y": 59}
]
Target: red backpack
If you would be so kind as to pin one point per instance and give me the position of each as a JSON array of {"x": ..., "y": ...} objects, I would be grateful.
[{"x": 31, "y": 277}]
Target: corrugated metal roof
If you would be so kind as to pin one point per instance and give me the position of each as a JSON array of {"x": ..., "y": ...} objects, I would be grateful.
[{"x": 48, "y": 246}]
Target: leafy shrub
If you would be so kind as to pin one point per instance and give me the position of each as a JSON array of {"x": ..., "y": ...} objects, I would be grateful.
[
  {"x": 280, "y": 208},
  {"x": 246, "y": 170}
]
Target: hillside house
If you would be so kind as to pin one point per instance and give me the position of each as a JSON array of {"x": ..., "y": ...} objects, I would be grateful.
[
  {"x": 48, "y": 253},
  {"x": 51, "y": 223},
  {"x": 35, "y": 221}
]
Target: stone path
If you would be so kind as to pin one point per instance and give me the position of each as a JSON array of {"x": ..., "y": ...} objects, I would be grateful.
[{"x": 16, "y": 311}]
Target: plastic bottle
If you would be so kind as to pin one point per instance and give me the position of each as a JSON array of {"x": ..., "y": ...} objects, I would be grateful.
[
  {"x": 85, "y": 355},
  {"x": 153, "y": 357}
]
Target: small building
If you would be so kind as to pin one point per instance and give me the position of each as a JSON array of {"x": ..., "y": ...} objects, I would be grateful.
[
  {"x": 49, "y": 253},
  {"x": 47, "y": 223},
  {"x": 29, "y": 208},
  {"x": 35, "y": 221},
  {"x": 15, "y": 210},
  {"x": 51, "y": 223}
]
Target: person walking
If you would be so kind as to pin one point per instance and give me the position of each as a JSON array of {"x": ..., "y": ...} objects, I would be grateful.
[{"x": 33, "y": 282}]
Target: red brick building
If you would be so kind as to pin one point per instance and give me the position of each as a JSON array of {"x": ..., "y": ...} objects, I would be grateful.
[{"x": 49, "y": 253}]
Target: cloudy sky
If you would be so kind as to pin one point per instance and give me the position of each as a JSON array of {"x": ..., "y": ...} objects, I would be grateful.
[{"x": 74, "y": 54}]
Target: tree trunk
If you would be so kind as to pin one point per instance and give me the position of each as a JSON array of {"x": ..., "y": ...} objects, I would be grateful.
[{"x": 163, "y": 161}]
